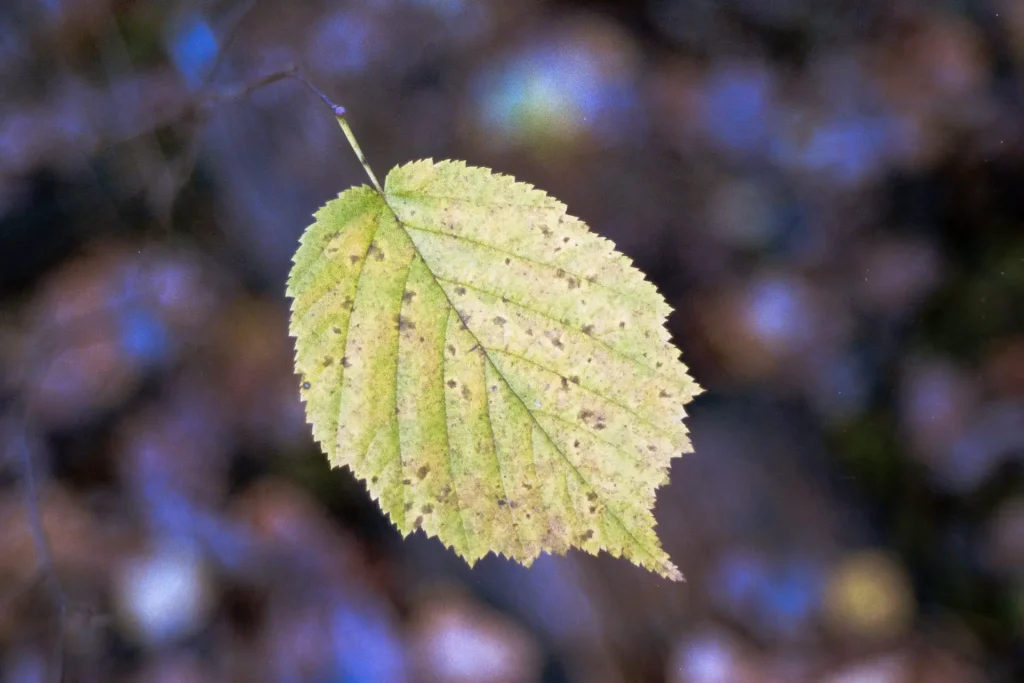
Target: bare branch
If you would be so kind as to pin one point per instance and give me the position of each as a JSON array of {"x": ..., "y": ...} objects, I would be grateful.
[
  {"x": 44, "y": 556},
  {"x": 229, "y": 37}
]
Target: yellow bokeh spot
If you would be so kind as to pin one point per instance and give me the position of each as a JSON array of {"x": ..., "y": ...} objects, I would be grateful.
[{"x": 869, "y": 596}]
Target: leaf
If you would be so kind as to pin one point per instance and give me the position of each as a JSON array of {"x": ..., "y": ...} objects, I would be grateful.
[{"x": 500, "y": 376}]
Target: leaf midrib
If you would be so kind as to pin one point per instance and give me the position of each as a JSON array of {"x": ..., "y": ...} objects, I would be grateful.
[{"x": 667, "y": 568}]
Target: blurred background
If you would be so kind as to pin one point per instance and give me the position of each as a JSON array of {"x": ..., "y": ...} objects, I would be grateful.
[{"x": 830, "y": 193}]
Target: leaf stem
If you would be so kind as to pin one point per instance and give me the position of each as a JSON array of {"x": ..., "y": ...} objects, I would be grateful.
[
  {"x": 339, "y": 112},
  {"x": 359, "y": 153}
]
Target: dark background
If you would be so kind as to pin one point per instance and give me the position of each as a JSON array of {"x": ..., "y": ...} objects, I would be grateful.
[{"x": 830, "y": 193}]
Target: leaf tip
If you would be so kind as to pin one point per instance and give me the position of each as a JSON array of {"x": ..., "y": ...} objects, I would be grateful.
[{"x": 672, "y": 573}]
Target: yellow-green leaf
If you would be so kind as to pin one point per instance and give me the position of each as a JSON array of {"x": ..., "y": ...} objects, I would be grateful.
[{"x": 499, "y": 375}]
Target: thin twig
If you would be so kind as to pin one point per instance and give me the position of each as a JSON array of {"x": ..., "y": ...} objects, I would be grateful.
[
  {"x": 339, "y": 113},
  {"x": 212, "y": 99},
  {"x": 179, "y": 170},
  {"x": 44, "y": 556},
  {"x": 174, "y": 179},
  {"x": 149, "y": 155},
  {"x": 336, "y": 108},
  {"x": 229, "y": 37},
  {"x": 216, "y": 98},
  {"x": 41, "y": 543}
]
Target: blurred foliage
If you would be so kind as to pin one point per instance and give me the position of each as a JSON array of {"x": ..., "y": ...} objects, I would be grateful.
[{"x": 827, "y": 193}]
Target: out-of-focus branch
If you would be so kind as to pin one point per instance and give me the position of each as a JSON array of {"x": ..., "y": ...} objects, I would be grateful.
[
  {"x": 44, "y": 555},
  {"x": 149, "y": 157},
  {"x": 213, "y": 99},
  {"x": 82, "y": 124},
  {"x": 177, "y": 171},
  {"x": 51, "y": 139},
  {"x": 230, "y": 33}
]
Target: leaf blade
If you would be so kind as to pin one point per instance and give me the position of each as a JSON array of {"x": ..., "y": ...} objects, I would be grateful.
[{"x": 543, "y": 411}]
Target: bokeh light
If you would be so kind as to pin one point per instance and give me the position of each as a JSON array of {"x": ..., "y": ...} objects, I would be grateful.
[
  {"x": 826, "y": 193},
  {"x": 164, "y": 594},
  {"x": 869, "y": 596}
]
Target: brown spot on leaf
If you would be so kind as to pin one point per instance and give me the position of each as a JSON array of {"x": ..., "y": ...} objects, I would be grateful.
[
  {"x": 622, "y": 325},
  {"x": 664, "y": 394},
  {"x": 354, "y": 259},
  {"x": 406, "y": 482},
  {"x": 576, "y": 443},
  {"x": 408, "y": 506},
  {"x": 345, "y": 362},
  {"x": 498, "y": 320},
  {"x": 460, "y": 290},
  {"x": 574, "y": 379},
  {"x": 591, "y": 496},
  {"x": 573, "y": 283},
  {"x": 558, "y": 343},
  {"x": 408, "y": 295},
  {"x": 373, "y": 479},
  {"x": 328, "y": 361},
  {"x": 427, "y": 509},
  {"x": 452, "y": 384},
  {"x": 465, "y": 392},
  {"x": 508, "y": 261},
  {"x": 513, "y": 505},
  {"x": 599, "y": 426},
  {"x": 565, "y": 240},
  {"x": 560, "y": 273},
  {"x": 589, "y": 535},
  {"x": 588, "y": 329},
  {"x": 375, "y": 252},
  {"x": 565, "y": 383},
  {"x": 585, "y": 414},
  {"x": 501, "y": 502},
  {"x": 451, "y": 349},
  {"x": 423, "y": 471},
  {"x": 336, "y": 330}
]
